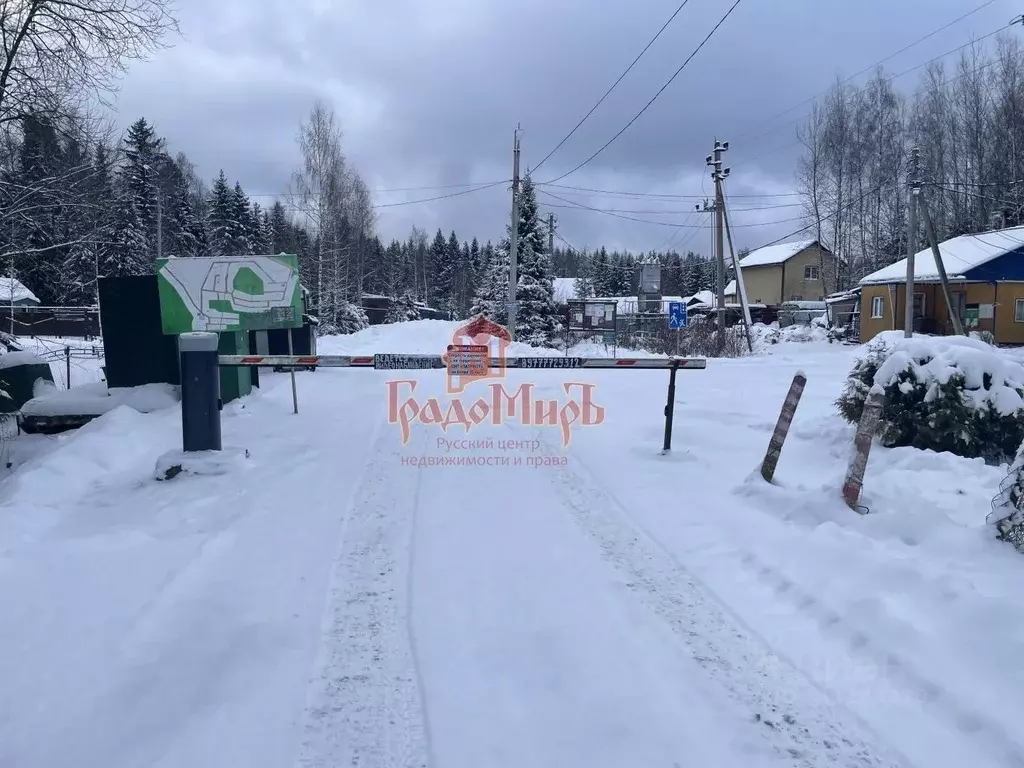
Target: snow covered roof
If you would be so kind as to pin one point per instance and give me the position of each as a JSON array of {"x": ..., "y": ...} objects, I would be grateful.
[
  {"x": 771, "y": 255},
  {"x": 959, "y": 255},
  {"x": 701, "y": 297},
  {"x": 11, "y": 290},
  {"x": 730, "y": 288}
]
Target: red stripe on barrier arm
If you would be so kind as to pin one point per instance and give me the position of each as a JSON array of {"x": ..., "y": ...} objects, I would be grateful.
[
  {"x": 250, "y": 360},
  {"x": 362, "y": 360},
  {"x": 307, "y": 360},
  {"x": 625, "y": 362}
]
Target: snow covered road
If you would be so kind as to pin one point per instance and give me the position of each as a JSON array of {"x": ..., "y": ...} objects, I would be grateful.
[{"x": 331, "y": 604}]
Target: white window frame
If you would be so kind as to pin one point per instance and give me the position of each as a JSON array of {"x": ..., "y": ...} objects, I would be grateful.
[
  {"x": 1017, "y": 303},
  {"x": 877, "y": 307},
  {"x": 812, "y": 272}
]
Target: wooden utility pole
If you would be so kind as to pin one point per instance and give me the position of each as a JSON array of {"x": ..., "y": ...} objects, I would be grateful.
[
  {"x": 551, "y": 239},
  {"x": 914, "y": 192},
  {"x": 718, "y": 174},
  {"x": 513, "y": 254}
]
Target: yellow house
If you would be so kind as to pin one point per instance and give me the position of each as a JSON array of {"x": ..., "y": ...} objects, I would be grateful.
[
  {"x": 986, "y": 279},
  {"x": 799, "y": 271}
]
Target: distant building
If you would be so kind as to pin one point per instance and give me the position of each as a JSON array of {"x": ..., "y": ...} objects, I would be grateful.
[
  {"x": 986, "y": 276},
  {"x": 799, "y": 271},
  {"x": 13, "y": 293}
]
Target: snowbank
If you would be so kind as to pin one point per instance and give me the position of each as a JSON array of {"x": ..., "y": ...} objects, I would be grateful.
[
  {"x": 12, "y": 359},
  {"x": 764, "y": 336},
  {"x": 94, "y": 399}
]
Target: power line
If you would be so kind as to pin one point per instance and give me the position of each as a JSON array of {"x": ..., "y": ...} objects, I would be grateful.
[
  {"x": 605, "y": 212},
  {"x": 653, "y": 98},
  {"x": 653, "y": 195},
  {"x": 437, "y": 186},
  {"x": 891, "y": 78},
  {"x": 441, "y": 197},
  {"x": 619, "y": 80},
  {"x": 827, "y": 216},
  {"x": 679, "y": 212},
  {"x": 872, "y": 66}
]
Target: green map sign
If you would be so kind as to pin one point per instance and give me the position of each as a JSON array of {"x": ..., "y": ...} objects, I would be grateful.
[{"x": 237, "y": 293}]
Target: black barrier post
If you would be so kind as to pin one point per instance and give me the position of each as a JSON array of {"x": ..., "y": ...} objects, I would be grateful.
[
  {"x": 670, "y": 406},
  {"x": 200, "y": 392}
]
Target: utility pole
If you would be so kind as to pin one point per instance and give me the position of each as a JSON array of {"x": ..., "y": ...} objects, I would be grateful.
[
  {"x": 551, "y": 238},
  {"x": 513, "y": 254},
  {"x": 914, "y": 182},
  {"x": 718, "y": 174}
]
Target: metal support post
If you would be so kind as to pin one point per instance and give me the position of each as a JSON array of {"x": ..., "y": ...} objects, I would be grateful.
[
  {"x": 670, "y": 407},
  {"x": 200, "y": 392}
]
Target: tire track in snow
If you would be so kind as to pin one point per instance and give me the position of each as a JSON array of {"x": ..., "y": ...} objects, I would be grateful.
[
  {"x": 902, "y": 672},
  {"x": 801, "y": 721},
  {"x": 365, "y": 707}
]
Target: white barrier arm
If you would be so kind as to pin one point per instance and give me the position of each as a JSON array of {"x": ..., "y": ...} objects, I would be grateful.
[{"x": 411, "y": 362}]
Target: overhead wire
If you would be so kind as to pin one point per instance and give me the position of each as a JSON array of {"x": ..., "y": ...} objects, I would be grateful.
[
  {"x": 653, "y": 98},
  {"x": 870, "y": 67},
  {"x": 655, "y": 195},
  {"x": 613, "y": 86},
  {"x": 889, "y": 79}
]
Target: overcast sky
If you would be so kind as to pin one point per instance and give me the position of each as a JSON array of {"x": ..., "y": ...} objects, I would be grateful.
[{"x": 428, "y": 93}]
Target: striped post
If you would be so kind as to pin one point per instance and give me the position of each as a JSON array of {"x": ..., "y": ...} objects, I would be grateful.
[
  {"x": 771, "y": 458},
  {"x": 861, "y": 448}
]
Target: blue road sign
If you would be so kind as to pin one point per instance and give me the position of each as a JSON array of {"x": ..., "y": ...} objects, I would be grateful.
[{"x": 676, "y": 314}]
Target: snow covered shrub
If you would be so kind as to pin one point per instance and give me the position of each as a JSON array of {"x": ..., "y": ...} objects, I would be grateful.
[
  {"x": 349, "y": 318},
  {"x": 861, "y": 379},
  {"x": 942, "y": 394},
  {"x": 1008, "y": 506}
]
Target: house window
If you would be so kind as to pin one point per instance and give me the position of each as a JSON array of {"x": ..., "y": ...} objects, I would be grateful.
[
  {"x": 919, "y": 305},
  {"x": 877, "y": 306},
  {"x": 1018, "y": 311},
  {"x": 811, "y": 273},
  {"x": 794, "y": 297}
]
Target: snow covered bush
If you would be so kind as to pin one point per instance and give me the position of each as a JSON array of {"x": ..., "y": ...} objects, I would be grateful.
[
  {"x": 942, "y": 394},
  {"x": 349, "y": 318}
]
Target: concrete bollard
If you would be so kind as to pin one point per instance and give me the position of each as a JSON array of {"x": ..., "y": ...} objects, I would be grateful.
[
  {"x": 771, "y": 458},
  {"x": 200, "y": 392}
]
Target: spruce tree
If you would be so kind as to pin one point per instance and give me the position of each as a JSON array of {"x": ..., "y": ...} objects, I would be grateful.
[
  {"x": 492, "y": 294},
  {"x": 140, "y": 180},
  {"x": 447, "y": 277},
  {"x": 437, "y": 255},
  {"x": 242, "y": 224},
  {"x": 583, "y": 285},
  {"x": 220, "y": 225},
  {"x": 536, "y": 315},
  {"x": 602, "y": 275}
]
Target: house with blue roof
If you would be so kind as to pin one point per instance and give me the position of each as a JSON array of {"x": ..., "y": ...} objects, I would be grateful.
[{"x": 986, "y": 276}]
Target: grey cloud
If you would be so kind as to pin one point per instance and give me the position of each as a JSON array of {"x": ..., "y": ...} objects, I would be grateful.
[{"x": 429, "y": 91}]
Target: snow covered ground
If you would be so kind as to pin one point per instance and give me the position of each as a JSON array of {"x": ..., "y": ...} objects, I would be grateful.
[{"x": 339, "y": 598}]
